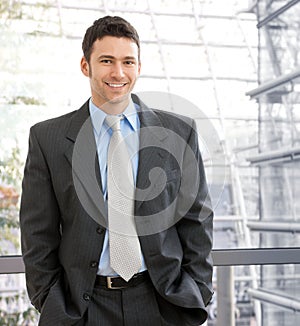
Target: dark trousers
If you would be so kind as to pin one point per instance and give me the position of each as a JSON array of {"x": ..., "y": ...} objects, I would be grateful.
[{"x": 140, "y": 305}]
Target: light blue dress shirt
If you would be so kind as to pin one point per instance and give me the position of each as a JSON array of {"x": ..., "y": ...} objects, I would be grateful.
[{"x": 130, "y": 126}]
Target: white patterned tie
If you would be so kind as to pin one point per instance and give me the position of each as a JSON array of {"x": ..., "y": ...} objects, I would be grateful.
[{"x": 125, "y": 250}]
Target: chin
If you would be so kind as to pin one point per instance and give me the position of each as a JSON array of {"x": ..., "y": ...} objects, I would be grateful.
[{"x": 119, "y": 99}]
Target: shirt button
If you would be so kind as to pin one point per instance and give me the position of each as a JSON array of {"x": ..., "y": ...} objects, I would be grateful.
[
  {"x": 86, "y": 297},
  {"x": 100, "y": 230},
  {"x": 93, "y": 264}
]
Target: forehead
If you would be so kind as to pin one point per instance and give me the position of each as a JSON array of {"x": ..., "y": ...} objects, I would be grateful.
[{"x": 115, "y": 46}]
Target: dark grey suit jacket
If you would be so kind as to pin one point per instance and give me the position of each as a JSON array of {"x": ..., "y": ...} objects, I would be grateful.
[{"x": 63, "y": 217}]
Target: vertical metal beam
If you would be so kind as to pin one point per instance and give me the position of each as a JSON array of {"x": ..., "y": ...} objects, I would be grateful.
[{"x": 225, "y": 296}]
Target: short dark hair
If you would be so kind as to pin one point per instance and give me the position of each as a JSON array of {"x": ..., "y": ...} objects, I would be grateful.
[{"x": 108, "y": 26}]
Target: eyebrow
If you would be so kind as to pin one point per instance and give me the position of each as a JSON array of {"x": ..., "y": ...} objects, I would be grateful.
[
  {"x": 107, "y": 56},
  {"x": 130, "y": 58}
]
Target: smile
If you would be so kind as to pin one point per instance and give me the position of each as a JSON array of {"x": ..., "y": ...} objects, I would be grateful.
[{"x": 115, "y": 85}]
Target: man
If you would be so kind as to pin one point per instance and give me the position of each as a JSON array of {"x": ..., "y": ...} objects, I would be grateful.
[{"x": 73, "y": 277}]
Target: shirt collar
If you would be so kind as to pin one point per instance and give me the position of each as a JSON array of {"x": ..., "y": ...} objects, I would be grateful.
[
  {"x": 131, "y": 115},
  {"x": 98, "y": 116}
]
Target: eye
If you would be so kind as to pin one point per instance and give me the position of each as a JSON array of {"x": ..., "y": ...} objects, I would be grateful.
[
  {"x": 106, "y": 61},
  {"x": 129, "y": 63}
]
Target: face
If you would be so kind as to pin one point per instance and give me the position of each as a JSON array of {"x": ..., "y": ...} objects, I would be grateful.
[{"x": 113, "y": 70}]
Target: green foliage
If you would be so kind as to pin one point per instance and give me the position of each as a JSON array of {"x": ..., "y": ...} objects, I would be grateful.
[
  {"x": 8, "y": 317},
  {"x": 10, "y": 9},
  {"x": 25, "y": 100},
  {"x": 10, "y": 169},
  {"x": 16, "y": 9},
  {"x": 10, "y": 181},
  {"x": 8, "y": 219},
  {"x": 9, "y": 229},
  {"x": 10, "y": 176}
]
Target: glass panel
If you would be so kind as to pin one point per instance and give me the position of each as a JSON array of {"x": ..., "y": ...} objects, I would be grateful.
[
  {"x": 263, "y": 295},
  {"x": 279, "y": 39},
  {"x": 41, "y": 48},
  {"x": 15, "y": 308},
  {"x": 279, "y": 133}
]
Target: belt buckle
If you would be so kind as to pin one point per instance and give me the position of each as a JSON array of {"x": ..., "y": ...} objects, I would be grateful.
[{"x": 110, "y": 286}]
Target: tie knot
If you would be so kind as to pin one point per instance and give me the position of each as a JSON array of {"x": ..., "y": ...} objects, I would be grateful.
[{"x": 113, "y": 121}]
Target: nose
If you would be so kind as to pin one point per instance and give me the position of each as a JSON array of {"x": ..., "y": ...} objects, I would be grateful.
[{"x": 117, "y": 70}]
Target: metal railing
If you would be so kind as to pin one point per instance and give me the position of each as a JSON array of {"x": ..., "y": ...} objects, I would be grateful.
[{"x": 226, "y": 257}]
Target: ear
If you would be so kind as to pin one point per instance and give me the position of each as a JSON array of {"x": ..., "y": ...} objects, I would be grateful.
[
  {"x": 85, "y": 68},
  {"x": 139, "y": 68}
]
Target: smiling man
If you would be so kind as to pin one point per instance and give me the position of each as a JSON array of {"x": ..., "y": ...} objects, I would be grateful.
[
  {"x": 113, "y": 68},
  {"x": 100, "y": 246}
]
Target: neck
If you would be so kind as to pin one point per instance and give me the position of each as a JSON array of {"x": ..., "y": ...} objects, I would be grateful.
[{"x": 114, "y": 107}]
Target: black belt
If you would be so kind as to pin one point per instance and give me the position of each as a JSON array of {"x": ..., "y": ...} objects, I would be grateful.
[{"x": 116, "y": 282}]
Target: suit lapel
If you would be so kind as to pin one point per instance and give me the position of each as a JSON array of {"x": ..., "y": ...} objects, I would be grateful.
[
  {"x": 152, "y": 138},
  {"x": 82, "y": 155},
  {"x": 76, "y": 122}
]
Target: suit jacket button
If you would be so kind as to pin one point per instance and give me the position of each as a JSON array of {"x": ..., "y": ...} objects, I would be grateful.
[
  {"x": 100, "y": 230},
  {"x": 93, "y": 264},
  {"x": 86, "y": 297}
]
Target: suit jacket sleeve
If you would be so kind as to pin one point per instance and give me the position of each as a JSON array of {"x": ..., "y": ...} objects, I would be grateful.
[
  {"x": 195, "y": 228},
  {"x": 40, "y": 225}
]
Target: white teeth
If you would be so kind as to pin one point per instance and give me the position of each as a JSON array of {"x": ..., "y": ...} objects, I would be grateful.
[{"x": 115, "y": 85}]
